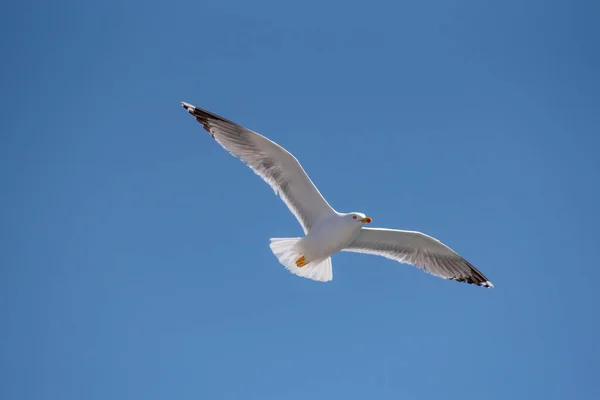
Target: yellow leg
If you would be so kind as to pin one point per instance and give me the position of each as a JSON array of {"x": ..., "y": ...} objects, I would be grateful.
[{"x": 301, "y": 262}]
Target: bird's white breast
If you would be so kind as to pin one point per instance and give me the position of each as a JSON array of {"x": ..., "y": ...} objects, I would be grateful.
[{"x": 329, "y": 236}]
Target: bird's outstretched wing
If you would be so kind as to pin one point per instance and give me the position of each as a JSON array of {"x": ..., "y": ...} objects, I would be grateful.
[
  {"x": 420, "y": 250},
  {"x": 278, "y": 167}
]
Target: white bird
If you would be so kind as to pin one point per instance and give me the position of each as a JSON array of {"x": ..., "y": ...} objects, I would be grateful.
[{"x": 326, "y": 230}]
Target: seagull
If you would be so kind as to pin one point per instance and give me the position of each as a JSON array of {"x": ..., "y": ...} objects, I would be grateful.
[{"x": 326, "y": 230}]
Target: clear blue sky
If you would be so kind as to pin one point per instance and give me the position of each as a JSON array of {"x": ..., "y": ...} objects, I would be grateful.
[{"x": 135, "y": 261}]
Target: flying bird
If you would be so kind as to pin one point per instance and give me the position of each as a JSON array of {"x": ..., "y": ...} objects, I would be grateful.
[{"x": 326, "y": 230}]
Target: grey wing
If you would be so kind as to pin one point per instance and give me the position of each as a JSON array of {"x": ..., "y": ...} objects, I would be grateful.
[
  {"x": 418, "y": 249},
  {"x": 274, "y": 164}
]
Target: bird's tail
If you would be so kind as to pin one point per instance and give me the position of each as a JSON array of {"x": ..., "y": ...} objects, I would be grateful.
[{"x": 288, "y": 251}]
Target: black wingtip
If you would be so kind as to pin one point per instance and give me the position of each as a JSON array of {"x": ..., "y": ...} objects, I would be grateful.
[
  {"x": 479, "y": 282},
  {"x": 188, "y": 106},
  {"x": 202, "y": 116}
]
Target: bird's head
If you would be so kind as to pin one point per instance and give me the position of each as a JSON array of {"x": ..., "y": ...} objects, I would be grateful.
[{"x": 359, "y": 218}]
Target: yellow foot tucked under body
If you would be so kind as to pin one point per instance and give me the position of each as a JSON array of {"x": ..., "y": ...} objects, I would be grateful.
[{"x": 301, "y": 262}]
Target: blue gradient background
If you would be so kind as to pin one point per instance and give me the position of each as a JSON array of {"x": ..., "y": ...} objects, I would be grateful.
[{"x": 135, "y": 260}]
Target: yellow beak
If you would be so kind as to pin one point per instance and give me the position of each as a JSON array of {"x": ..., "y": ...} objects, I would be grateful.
[{"x": 366, "y": 220}]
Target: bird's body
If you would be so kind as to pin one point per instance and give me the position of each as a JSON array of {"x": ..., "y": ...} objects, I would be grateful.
[
  {"x": 329, "y": 236},
  {"x": 326, "y": 230}
]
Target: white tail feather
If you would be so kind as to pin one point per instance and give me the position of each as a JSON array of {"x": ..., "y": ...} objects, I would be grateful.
[{"x": 287, "y": 252}]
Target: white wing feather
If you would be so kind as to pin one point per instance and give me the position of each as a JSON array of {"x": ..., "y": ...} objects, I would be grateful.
[
  {"x": 274, "y": 164},
  {"x": 420, "y": 250}
]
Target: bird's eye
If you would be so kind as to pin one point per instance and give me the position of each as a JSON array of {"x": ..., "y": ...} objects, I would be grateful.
[{"x": 354, "y": 217}]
